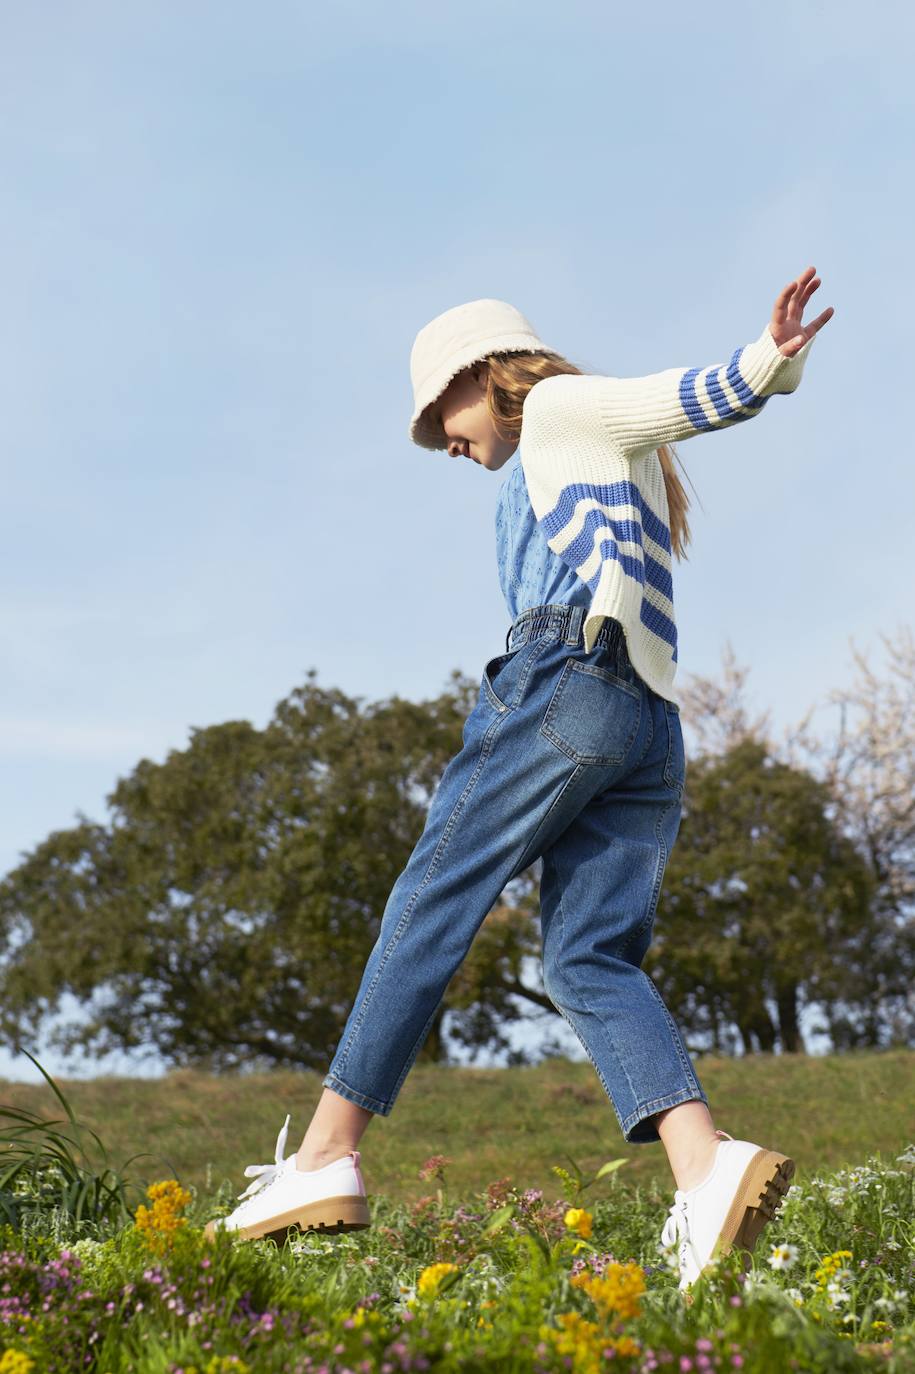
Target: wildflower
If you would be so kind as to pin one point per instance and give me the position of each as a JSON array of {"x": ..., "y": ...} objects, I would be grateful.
[
  {"x": 15, "y": 1362},
  {"x": 617, "y": 1291},
  {"x": 435, "y": 1164},
  {"x": 577, "y": 1219},
  {"x": 159, "y": 1223},
  {"x": 835, "y": 1294},
  {"x": 431, "y": 1277},
  {"x": 783, "y": 1256},
  {"x": 585, "y": 1342},
  {"x": 829, "y": 1264}
]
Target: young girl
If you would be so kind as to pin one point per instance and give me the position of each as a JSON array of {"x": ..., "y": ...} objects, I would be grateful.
[{"x": 573, "y": 754}]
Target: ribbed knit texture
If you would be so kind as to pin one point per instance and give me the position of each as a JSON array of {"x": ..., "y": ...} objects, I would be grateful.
[
  {"x": 530, "y": 573},
  {"x": 589, "y": 451}
]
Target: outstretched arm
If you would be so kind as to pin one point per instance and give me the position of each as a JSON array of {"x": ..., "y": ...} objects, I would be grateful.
[{"x": 640, "y": 413}]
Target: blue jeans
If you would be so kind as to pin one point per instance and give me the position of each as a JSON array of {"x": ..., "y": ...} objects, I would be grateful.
[{"x": 570, "y": 757}]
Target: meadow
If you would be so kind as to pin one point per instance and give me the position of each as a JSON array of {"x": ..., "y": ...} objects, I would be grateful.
[{"x": 513, "y": 1229}]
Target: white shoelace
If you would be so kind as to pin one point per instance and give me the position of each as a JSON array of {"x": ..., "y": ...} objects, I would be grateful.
[
  {"x": 676, "y": 1227},
  {"x": 265, "y": 1174}
]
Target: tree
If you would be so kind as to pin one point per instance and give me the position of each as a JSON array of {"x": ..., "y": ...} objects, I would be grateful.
[
  {"x": 869, "y": 767},
  {"x": 765, "y": 904},
  {"x": 225, "y": 913}
]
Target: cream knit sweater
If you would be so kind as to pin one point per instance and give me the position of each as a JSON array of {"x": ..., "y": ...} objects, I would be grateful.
[{"x": 589, "y": 452}]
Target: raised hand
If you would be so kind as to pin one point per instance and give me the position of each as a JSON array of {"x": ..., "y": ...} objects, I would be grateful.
[{"x": 785, "y": 326}]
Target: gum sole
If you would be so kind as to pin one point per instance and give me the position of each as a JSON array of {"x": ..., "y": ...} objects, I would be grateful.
[
  {"x": 757, "y": 1199},
  {"x": 330, "y": 1214}
]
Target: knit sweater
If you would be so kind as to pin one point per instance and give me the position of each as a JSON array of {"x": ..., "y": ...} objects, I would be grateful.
[{"x": 589, "y": 451}]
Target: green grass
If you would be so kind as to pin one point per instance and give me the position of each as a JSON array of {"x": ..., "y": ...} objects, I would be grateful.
[
  {"x": 527, "y": 1285},
  {"x": 826, "y": 1112}
]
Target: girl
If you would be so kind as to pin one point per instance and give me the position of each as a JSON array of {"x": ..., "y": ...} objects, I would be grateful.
[{"x": 573, "y": 754}]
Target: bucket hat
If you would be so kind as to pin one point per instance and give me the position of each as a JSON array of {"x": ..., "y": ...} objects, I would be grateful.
[{"x": 454, "y": 340}]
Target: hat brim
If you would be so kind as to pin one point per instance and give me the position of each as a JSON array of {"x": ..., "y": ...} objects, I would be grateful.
[{"x": 423, "y": 430}]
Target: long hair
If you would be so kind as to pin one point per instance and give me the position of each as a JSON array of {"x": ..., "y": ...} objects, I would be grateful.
[{"x": 510, "y": 377}]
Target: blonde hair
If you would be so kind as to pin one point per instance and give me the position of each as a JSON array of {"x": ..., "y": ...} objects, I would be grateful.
[{"x": 510, "y": 377}]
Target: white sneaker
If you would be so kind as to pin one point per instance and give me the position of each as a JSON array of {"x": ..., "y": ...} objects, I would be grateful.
[
  {"x": 729, "y": 1207},
  {"x": 332, "y": 1198}
]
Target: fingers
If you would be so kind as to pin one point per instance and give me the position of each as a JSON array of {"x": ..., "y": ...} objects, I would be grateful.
[{"x": 785, "y": 304}]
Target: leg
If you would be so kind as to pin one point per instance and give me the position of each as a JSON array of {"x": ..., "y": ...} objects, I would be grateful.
[
  {"x": 516, "y": 784},
  {"x": 599, "y": 891},
  {"x": 336, "y": 1127},
  {"x": 688, "y": 1134},
  {"x": 506, "y": 791}
]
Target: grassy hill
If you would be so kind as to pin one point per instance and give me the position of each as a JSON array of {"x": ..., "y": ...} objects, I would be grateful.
[{"x": 492, "y": 1123}]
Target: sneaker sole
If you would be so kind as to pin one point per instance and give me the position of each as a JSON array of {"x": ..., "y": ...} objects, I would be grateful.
[
  {"x": 759, "y": 1195},
  {"x": 331, "y": 1214}
]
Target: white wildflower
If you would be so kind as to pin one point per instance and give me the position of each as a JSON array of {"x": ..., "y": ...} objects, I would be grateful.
[
  {"x": 835, "y": 1294},
  {"x": 783, "y": 1256}
]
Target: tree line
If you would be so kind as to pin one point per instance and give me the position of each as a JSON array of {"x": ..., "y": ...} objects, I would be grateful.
[{"x": 224, "y": 912}]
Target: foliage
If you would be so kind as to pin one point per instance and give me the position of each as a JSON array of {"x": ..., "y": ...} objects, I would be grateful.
[
  {"x": 766, "y": 906},
  {"x": 225, "y": 913},
  {"x": 52, "y": 1166},
  {"x": 506, "y": 1281}
]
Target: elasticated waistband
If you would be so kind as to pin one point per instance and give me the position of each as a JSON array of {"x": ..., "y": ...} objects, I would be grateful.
[{"x": 569, "y": 620}]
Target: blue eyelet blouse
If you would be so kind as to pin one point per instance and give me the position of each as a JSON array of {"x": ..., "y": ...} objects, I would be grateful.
[{"x": 530, "y": 573}]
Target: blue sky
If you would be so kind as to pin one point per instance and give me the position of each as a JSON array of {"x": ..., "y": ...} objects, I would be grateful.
[{"x": 221, "y": 227}]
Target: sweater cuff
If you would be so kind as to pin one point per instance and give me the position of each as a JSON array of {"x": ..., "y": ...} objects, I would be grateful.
[{"x": 768, "y": 371}]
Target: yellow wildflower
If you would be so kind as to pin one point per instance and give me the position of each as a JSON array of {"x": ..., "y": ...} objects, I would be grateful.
[
  {"x": 617, "y": 1291},
  {"x": 586, "y": 1342},
  {"x": 829, "y": 1264},
  {"x": 577, "y": 1219},
  {"x": 15, "y": 1362},
  {"x": 429, "y": 1280},
  {"x": 159, "y": 1223},
  {"x": 579, "y": 1338}
]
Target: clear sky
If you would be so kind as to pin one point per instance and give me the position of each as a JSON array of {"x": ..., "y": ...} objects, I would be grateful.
[{"x": 221, "y": 227}]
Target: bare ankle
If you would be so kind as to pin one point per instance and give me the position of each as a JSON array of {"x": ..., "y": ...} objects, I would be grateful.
[
  {"x": 697, "y": 1167},
  {"x": 316, "y": 1156}
]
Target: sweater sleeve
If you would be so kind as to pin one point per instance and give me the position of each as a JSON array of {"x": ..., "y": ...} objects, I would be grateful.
[{"x": 640, "y": 413}]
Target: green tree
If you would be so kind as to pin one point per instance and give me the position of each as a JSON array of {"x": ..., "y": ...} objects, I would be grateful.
[
  {"x": 225, "y": 914},
  {"x": 766, "y": 905}
]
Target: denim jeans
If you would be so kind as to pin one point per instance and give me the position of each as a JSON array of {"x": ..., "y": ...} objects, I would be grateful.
[{"x": 569, "y": 757}]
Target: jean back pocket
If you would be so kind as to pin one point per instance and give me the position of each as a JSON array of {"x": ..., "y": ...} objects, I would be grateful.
[{"x": 593, "y": 715}]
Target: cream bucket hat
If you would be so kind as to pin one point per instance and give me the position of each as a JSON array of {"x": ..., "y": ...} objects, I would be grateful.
[{"x": 454, "y": 340}]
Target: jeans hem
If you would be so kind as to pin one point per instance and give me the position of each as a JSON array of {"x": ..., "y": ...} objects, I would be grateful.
[
  {"x": 371, "y": 1104},
  {"x": 649, "y": 1132}
]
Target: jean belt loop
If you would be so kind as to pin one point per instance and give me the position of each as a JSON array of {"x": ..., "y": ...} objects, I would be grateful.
[
  {"x": 573, "y": 632},
  {"x": 508, "y": 637}
]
